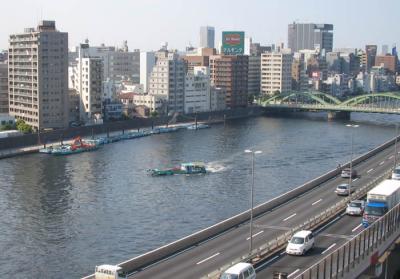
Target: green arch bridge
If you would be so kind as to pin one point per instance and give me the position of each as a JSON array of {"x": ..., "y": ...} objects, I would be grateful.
[{"x": 384, "y": 102}]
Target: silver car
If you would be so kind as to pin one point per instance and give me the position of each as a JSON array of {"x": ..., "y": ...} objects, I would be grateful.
[
  {"x": 346, "y": 173},
  {"x": 344, "y": 189},
  {"x": 355, "y": 208}
]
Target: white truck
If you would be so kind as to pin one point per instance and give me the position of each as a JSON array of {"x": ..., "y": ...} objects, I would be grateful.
[
  {"x": 107, "y": 271},
  {"x": 380, "y": 200}
]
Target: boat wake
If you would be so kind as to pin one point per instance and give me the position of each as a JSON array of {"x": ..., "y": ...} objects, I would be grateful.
[{"x": 214, "y": 167}]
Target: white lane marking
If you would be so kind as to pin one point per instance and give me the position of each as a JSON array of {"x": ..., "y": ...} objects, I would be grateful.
[
  {"x": 293, "y": 273},
  {"x": 356, "y": 228},
  {"x": 355, "y": 179},
  {"x": 370, "y": 170},
  {"x": 260, "y": 232},
  {"x": 381, "y": 163},
  {"x": 314, "y": 203},
  {"x": 330, "y": 247},
  {"x": 209, "y": 258},
  {"x": 291, "y": 216},
  {"x": 391, "y": 157}
]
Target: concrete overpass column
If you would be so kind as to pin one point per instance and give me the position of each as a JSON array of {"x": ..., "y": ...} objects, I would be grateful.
[{"x": 343, "y": 115}]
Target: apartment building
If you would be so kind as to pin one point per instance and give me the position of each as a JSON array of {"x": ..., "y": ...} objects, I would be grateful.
[
  {"x": 276, "y": 72},
  {"x": 197, "y": 90},
  {"x": 38, "y": 76},
  {"x": 229, "y": 72},
  {"x": 86, "y": 78},
  {"x": 167, "y": 79},
  {"x": 3, "y": 87}
]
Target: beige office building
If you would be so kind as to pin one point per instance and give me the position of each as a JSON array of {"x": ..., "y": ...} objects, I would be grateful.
[
  {"x": 276, "y": 72},
  {"x": 38, "y": 76}
]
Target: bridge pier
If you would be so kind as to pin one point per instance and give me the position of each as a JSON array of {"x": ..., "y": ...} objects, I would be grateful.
[{"x": 335, "y": 115}]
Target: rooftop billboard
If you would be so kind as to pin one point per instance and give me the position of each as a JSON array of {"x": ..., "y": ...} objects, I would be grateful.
[{"x": 233, "y": 42}]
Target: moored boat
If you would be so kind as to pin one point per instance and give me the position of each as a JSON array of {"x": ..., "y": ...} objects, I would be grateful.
[
  {"x": 78, "y": 146},
  {"x": 198, "y": 126}
]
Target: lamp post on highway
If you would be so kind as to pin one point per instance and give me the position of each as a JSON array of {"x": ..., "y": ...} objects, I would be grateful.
[
  {"x": 253, "y": 153},
  {"x": 395, "y": 147},
  {"x": 351, "y": 157}
]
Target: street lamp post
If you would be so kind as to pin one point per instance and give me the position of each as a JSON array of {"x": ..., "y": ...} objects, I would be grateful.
[
  {"x": 351, "y": 156},
  {"x": 253, "y": 153},
  {"x": 395, "y": 147}
]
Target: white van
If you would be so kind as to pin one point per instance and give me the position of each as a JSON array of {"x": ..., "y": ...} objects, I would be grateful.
[
  {"x": 239, "y": 271},
  {"x": 300, "y": 243},
  {"x": 396, "y": 173}
]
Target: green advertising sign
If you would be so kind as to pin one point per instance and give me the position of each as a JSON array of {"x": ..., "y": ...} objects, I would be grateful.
[{"x": 232, "y": 42}]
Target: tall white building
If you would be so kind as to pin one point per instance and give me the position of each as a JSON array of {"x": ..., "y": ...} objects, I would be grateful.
[
  {"x": 168, "y": 80},
  {"x": 197, "y": 90},
  {"x": 207, "y": 37},
  {"x": 276, "y": 72},
  {"x": 38, "y": 76},
  {"x": 147, "y": 62},
  {"x": 86, "y": 79}
]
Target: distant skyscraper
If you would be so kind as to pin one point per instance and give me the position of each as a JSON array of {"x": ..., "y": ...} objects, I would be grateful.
[
  {"x": 207, "y": 36},
  {"x": 310, "y": 36},
  {"x": 38, "y": 76},
  {"x": 370, "y": 51},
  {"x": 385, "y": 49}
]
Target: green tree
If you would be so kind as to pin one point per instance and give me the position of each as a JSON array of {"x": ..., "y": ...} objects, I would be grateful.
[
  {"x": 153, "y": 114},
  {"x": 23, "y": 127},
  {"x": 6, "y": 127}
]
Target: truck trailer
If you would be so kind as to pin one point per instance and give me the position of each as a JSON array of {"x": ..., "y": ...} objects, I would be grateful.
[{"x": 380, "y": 200}]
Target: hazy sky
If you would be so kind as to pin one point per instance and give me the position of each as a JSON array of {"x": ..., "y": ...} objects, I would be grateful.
[{"x": 147, "y": 23}]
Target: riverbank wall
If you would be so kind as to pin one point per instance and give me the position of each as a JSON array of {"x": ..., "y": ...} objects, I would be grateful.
[{"x": 48, "y": 137}]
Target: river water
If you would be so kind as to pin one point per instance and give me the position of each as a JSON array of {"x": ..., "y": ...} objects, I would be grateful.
[{"x": 62, "y": 216}]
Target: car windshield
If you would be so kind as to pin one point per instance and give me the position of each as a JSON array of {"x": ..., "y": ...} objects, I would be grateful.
[
  {"x": 396, "y": 171},
  {"x": 229, "y": 276},
  {"x": 355, "y": 204},
  {"x": 342, "y": 187},
  {"x": 376, "y": 211},
  {"x": 297, "y": 240}
]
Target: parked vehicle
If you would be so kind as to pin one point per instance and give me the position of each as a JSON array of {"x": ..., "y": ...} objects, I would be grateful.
[
  {"x": 355, "y": 207},
  {"x": 346, "y": 173},
  {"x": 380, "y": 200},
  {"x": 300, "y": 243},
  {"x": 239, "y": 271},
  {"x": 108, "y": 272},
  {"x": 396, "y": 173},
  {"x": 344, "y": 189}
]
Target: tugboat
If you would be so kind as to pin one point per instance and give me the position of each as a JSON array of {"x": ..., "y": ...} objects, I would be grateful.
[{"x": 185, "y": 168}]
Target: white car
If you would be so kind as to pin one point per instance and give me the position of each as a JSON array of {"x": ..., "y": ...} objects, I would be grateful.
[
  {"x": 396, "y": 173},
  {"x": 355, "y": 207},
  {"x": 300, "y": 243},
  {"x": 239, "y": 271},
  {"x": 344, "y": 189}
]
